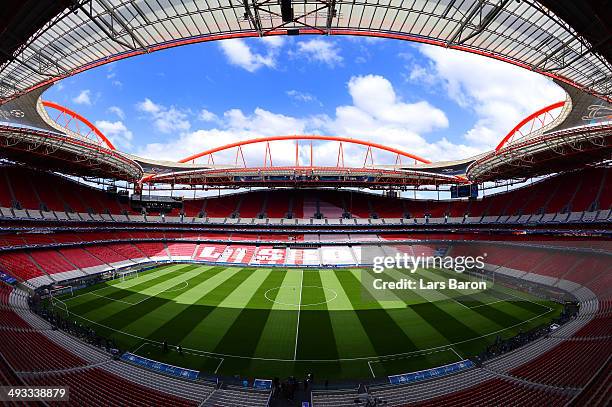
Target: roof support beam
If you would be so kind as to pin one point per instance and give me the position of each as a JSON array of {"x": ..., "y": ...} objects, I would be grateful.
[
  {"x": 109, "y": 34},
  {"x": 331, "y": 13},
  {"x": 486, "y": 20},
  {"x": 254, "y": 19},
  {"x": 123, "y": 25},
  {"x": 27, "y": 65},
  {"x": 589, "y": 49},
  {"x": 457, "y": 34}
]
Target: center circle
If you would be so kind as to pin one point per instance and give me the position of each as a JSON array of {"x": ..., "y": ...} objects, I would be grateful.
[{"x": 290, "y": 295}]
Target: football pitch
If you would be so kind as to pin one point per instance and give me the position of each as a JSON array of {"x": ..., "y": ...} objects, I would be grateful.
[{"x": 266, "y": 322}]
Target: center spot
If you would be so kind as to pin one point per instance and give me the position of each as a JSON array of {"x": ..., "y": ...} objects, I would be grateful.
[{"x": 311, "y": 295}]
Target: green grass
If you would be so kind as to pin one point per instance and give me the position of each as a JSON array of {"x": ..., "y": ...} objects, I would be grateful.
[{"x": 265, "y": 322}]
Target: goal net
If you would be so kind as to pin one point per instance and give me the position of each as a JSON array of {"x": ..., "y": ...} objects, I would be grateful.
[
  {"x": 57, "y": 292},
  {"x": 127, "y": 275}
]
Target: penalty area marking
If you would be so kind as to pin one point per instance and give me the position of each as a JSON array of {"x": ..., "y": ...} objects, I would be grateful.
[
  {"x": 371, "y": 370},
  {"x": 117, "y": 286},
  {"x": 528, "y": 300},
  {"x": 219, "y": 365},
  {"x": 90, "y": 292},
  {"x": 187, "y": 351},
  {"x": 456, "y": 353},
  {"x": 113, "y": 299},
  {"x": 147, "y": 297},
  {"x": 488, "y": 303},
  {"x": 138, "y": 348},
  {"x": 425, "y": 352}
]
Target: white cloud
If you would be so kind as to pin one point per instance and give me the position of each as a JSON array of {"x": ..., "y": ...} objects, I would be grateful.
[
  {"x": 302, "y": 96},
  {"x": 274, "y": 41},
  {"x": 263, "y": 123},
  {"x": 149, "y": 106},
  {"x": 318, "y": 50},
  {"x": 498, "y": 93},
  {"x": 234, "y": 126},
  {"x": 377, "y": 114},
  {"x": 422, "y": 74},
  {"x": 376, "y": 105},
  {"x": 207, "y": 116},
  {"x": 83, "y": 98},
  {"x": 165, "y": 119},
  {"x": 110, "y": 70},
  {"x": 116, "y": 132},
  {"x": 117, "y": 111},
  {"x": 239, "y": 53}
]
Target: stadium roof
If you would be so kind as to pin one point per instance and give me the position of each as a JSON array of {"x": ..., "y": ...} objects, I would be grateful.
[
  {"x": 95, "y": 32},
  {"x": 20, "y": 19},
  {"x": 590, "y": 18}
]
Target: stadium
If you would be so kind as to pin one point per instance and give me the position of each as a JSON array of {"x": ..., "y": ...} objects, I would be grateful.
[{"x": 305, "y": 269}]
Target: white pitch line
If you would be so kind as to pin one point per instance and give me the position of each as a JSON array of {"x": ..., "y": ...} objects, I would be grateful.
[
  {"x": 112, "y": 299},
  {"x": 528, "y": 300},
  {"x": 88, "y": 292},
  {"x": 162, "y": 291},
  {"x": 219, "y": 365},
  {"x": 460, "y": 303},
  {"x": 186, "y": 284},
  {"x": 297, "y": 326},
  {"x": 455, "y": 352},
  {"x": 374, "y": 359},
  {"x": 109, "y": 285},
  {"x": 138, "y": 348},
  {"x": 371, "y": 370},
  {"x": 147, "y": 297},
  {"x": 488, "y": 303}
]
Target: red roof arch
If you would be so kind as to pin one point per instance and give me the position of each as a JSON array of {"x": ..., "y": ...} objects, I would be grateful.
[
  {"x": 305, "y": 137},
  {"x": 64, "y": 111},
  {"x": 539, "y": 113}
]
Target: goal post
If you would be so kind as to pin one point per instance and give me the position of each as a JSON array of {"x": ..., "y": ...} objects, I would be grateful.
[
  {"x": 127, "y": 275},
  {"x": 54, "y": 293}
]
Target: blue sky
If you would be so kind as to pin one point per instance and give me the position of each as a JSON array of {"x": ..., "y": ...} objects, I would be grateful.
[{"x": 437, "y": 103}]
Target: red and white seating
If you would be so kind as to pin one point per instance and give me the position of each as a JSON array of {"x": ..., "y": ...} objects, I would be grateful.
[
  {"x": 305, "y": 257},
  {"x": 96, "y": 387},
  {"x": 129, "y": 251},
  {"x": 21, "y": 266},
  {"x": 499, "y": 392},
  {"x": 337, "y": 255},
  {"x": 17, "y": 348},
  {"x": 268, "y": 255},
  {"x": 154, "y": 251},
  {"x": 108, "y": 255},
  {"x": 570, "y": 364},
  {"x": 209, "y": 252},
  {"x": 237, "y": 254},
  {"x": 84, "y": 260},
  {"x": 181, "y": 251}
]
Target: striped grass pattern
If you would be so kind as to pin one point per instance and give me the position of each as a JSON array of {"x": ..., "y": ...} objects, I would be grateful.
[{"x": 264, "y": 322}]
